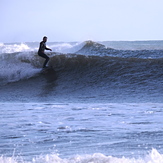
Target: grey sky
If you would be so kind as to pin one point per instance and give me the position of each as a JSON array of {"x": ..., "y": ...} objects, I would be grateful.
[{"x": 80, "y": 20}]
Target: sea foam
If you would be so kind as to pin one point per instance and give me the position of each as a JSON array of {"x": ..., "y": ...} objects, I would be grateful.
[
  {"x": 12, "y": 48},
  {"x": 153, "y": 157}
]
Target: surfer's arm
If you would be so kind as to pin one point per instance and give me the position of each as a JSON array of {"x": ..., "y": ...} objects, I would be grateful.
[{"x": 48, "y": 48}]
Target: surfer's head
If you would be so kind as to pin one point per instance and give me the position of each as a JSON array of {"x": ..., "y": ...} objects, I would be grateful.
[{"x": 45, "y": 38}]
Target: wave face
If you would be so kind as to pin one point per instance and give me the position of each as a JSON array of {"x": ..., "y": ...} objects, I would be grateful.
[{"x": 87, "y": 66}]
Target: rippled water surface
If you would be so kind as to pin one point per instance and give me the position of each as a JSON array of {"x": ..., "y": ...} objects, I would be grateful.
[{"x": 31, "y": 129}]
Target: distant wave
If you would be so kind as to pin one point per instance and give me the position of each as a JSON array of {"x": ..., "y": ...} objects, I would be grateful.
[{"x": 94, "y": 48}]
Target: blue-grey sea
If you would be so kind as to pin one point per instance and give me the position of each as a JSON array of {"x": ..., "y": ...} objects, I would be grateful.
[{"x": 99, "y": 102}]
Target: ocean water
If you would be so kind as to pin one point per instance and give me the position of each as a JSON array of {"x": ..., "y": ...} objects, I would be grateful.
[{"x": 101, "y": 102}]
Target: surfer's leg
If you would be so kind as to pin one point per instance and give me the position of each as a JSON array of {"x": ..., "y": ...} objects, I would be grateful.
[
  {"x": 44, "y": 56},
  {"x": 46, "y": 61}
]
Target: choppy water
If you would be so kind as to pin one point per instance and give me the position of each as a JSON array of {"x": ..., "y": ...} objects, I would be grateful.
[
  {"x": 100, "y": 102},
  {"x": 81, "y": 132}
]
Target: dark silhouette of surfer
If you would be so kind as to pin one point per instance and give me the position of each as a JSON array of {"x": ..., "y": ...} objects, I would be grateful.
[{"x": 41, "y": 50}]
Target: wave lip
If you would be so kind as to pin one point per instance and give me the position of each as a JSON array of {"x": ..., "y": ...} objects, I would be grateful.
[{"x": 93, "y": 48}]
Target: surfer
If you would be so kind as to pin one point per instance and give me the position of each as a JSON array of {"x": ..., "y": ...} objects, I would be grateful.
[{"x": 41, "y": 50}]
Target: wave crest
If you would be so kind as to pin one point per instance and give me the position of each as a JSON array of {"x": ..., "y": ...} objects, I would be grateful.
[{"x": 94, "y": 48}]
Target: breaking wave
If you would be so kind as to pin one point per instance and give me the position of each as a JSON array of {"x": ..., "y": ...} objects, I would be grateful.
[{"x": 93, "y": 63}]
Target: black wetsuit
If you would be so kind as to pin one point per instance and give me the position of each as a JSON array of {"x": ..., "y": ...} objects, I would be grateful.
[{"x": 41, "y": 53}]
